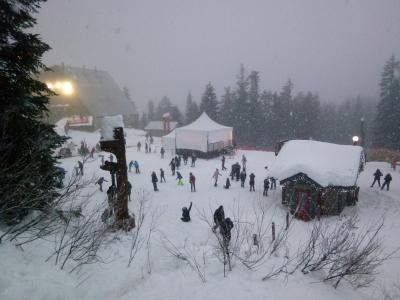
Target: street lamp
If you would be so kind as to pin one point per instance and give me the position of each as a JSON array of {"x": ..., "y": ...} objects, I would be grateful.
[{"x": 355, "y": 140}]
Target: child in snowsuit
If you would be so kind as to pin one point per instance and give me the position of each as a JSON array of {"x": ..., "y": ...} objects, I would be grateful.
[
  {"x": 192, "y": 181},
  {"x": 154, "y": 180},
  {"x": 186, "y": 213},
  {"x": 377, "y": 177},
  {"x": 130, "y": 165},
  {"x": 215, "y": 176},
  {"x": 387, "y": 180},
  {"x": 179, "y": 177},
  {"x": 136, "y": 165},
  {"x": 252, "y": 176},
  {"x": 266, "y": 187}
]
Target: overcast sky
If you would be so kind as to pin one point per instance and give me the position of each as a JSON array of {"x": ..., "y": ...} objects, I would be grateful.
[{"x": 168, "y": 47}]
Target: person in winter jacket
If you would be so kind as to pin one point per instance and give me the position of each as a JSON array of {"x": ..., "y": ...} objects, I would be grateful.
[
  {"x": 193, "y": 160},
  {"x": 223, "y": 162},
  {"x": 154, "y": 180},
  {"x": 162, "y": 151},
  {"x": 80, "y": 166},
  {"x": 219, "y": 217},
  {"x": 243, "y": 176},
  {"x": 237, "y": 171},
  {"x": 387, "y": 180},
  {"x": 172, "y": 164},
  {"x": 136, "y": 165},
  {"x": 377, "y": 177},
  {"x": 227, "y": 184},
  {"x": 129, "y": 190},
  {"x": 266, "y": 187},
  {"x": 251, "y": 182},
  {"x": 139, "y": 145},
  {"x": 177, "y": 162},
  {"x": 179, "y": 177},
  {"x": 244, "y": 161},
  {"x": 273, "y": 183},
  {"x": 215, "y": 176},
  {"x": 146, "y": 147},
  {"x": 233, "y": 170},
  {"x": 185, "y": 158},
  {"x": 186, "y": 213},
  {"x": 162, "y": 177},
  {"x": 225, "y": 230},
  {"x": 130, "y": 166},
  {"x": 192, "y": 181},
  {"x": 100, "y": 183}
]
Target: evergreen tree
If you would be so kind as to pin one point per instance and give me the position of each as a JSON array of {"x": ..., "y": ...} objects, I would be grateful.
[
  {"x": 25, "y": 140},
  {"x": 164, "y": 106},
  {"x": 254, "y": 126},
  {"x": 387, "y": 122},
  {"x": 241, "y": 118},
  {"x": 134, "y": 119},
  {"x": 266, "y": 102},
  {"x": 192, "y": 110},
  {"x": 209, "y": 102},
  {"x": 226, "y": 108},
  {"x": 143, "y": 121},
  {"x": 150, "y": 111},
  {"x": 176, "y": 114}
]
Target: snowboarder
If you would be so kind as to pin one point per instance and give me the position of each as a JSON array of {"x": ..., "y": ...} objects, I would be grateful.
[
  {"x": 244, "y": 161},
  {"x": 215, "y": 176},
  {"x": 377, "y": 177},
  {"x": 186, "y": 213},
  {"x": 193, "y": 159},
  {"x": 131, "y": 165},
  {"x": 80, "y": 166},
  {"x": 266, "y": 187},
  {"x": 243, "y": 176},
  {"x": 172, "y": 164},
  {"x": 223, "y": 163},
  {"x": 129, "y": 190},
  {"x": 179, "y": 177},
  {"x": 154, "y": 180},
  {"x": 227, "y": 184},
  {"x": 273, "y": 183},
  {"x": 100, "y": 183},
  {"x": 162, "y": 177},
  {"x": 192, "y": 180},
  {"x": 162, "y": 151},
  {"x": 252, "y": 176},
  {"x": 219, "y": 217},
  {"x": 139, "y": 145},
  {"x": 136, "y": 165},
  {"x": 386, "y": 182}
]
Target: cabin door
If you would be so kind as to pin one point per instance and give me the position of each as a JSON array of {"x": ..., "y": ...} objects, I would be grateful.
[{"x": 303, "y": 204}]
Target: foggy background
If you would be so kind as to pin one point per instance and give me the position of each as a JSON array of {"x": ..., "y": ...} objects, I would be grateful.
[{"x": 169, "y": 47}]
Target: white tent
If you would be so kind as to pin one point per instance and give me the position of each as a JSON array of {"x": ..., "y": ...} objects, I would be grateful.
[
  {"x": 168, "y": 141},
  {"x": 203, "y": 135}
]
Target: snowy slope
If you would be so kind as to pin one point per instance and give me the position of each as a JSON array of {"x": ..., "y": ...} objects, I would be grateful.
[{"x": 25, "y": 275}]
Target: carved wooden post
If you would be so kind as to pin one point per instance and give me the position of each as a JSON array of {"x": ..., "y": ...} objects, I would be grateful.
[{"x": 117, "y": 147}]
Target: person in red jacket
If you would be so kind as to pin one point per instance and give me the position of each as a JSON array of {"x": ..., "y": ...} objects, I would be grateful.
[{"x": 192, "y": 181}]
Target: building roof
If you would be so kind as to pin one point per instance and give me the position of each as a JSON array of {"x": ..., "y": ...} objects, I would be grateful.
[
  {"x": 325, "y": 163},
  {"x": 204, "y": 123},
  {"x": 159, "y": 125},
  {"x": 96, "y": 89}
]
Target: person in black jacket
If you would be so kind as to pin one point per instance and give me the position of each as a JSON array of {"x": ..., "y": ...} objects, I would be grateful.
[
  {"x": 252, "y": 176},
  {"x": 219, "y": 217},
  {"x": 162, "y": 177},
  {"x": 172, "y": 164},
  {"x": 266, "y": 187},
  {"x": 100, "y": 183},
  {"x": 154, "y": 180},
  {"x": 223, "y": 163},
  {"x": 186, "y": 213},
  {"x": 243, "y": 176},
  {"x": 225, "y": 230},
  {"x": 387, "y": 180},
  {"x": 129, "y": 188},
  {"x": 377, "y": 177},
  {"x": 273, "y": 183}
]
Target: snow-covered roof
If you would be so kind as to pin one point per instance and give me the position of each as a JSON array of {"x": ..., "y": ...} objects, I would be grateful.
[
  {"x": 159, "y": 125},
  {"x": 204, "y": 123},
  {"x": 325, "y": 163},
  {"x": 108, "y": 124}
]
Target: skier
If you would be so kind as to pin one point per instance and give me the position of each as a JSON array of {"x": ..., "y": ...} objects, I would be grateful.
[
  {"x": 162, "y": 151},
  {"x": 186, "y": 213},
  {"x": 129, "y": 190},
  {"x": 138, "y": 146},
  {"x": 192, "y": 180},
  {"x": 266, "y": 187},
  {"x": 227, "y": 184},
  {"x": 136, "y": 165},
  {"x": 80, "y": 166},
  {"x": 223, "y": 163},
  {"x": 193, "y": 159},
  {"x": 386, "y": 182},
  {"x": 162, "y": 177},
  {"x": 219, "y": 217},
  {"x": 215, "y": 176},
  {"x": 252, "y": 176},
  {"x": 377, "y": 177},
  {"x": 154, "y": 180},
  {"x": 273, "y": 183},
  {"x": 131, "y": 165},
  {"x": 179, "y": 177},
  {"x": 172, "y": 164},
  {"x": 244, "y": 161},
  {"x": 100, "y": 183},
  {"x": 243, "y": 176}
]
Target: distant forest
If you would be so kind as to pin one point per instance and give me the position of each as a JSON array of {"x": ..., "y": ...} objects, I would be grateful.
[{"x": 262, "y": 117}]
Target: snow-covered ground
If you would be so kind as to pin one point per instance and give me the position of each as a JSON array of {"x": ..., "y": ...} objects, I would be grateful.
[{"x": 25, "y": 274}]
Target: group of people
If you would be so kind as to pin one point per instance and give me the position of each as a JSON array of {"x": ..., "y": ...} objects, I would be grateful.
[{"x": 386, "y": 180}]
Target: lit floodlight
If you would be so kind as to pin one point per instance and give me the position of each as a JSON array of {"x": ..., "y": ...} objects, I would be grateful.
[
  {"x": 58, "y": 85},
  {"x": 49, "y": 85},
  {"x": 355, "y": 138},
  {"x": 67, "y": 88}
]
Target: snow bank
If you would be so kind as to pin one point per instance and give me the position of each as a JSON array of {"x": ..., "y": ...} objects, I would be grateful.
[
  {"x": 108, "y": 124},
  {"x": 325, "y": 163}
]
